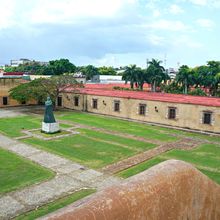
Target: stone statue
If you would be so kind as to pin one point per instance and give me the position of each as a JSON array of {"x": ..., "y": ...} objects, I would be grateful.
[
  {"x": 49, "y": 124},
  {"x": 48, "y": 114}
]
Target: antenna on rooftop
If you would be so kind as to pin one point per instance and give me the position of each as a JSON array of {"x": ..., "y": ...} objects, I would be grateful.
[
  {"x": 165, "y": 60},
  {"x": 147, "y": 60}
]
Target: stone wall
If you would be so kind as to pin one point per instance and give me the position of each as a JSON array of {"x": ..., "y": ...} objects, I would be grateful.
[
  {"x": 5, "y": 85},
  {"x": 172, "y": 190},
  {"x": 187, "y": 115}
]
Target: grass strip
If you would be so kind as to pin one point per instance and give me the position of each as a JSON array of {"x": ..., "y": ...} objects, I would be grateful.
[
  {"x": 17, "y": 172},
  {"x": 53, "y": 206}
]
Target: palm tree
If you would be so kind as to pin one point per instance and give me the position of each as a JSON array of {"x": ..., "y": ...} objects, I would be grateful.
[
  {"x": 184, "y": 76},
  {"x": 130, "y": 74},
  {"x": 155, "y": 74},
  {"x": 213, "y": 75}
]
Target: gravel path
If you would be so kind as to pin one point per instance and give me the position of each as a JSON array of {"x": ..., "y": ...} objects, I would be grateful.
[{"x": 185, "y": 143}]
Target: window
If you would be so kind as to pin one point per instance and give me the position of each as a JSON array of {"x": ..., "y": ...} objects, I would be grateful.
[
  {"x": 172, "y": 113},
  {"x": 95, "y": 103},
  {"x": 207, "y": 118},
  {"x": 59, "y": 101},
  {"x": 5, "y": 100},
  {"x": 142, "y": 109},
  {"x": 76, "y": 101},
  {"x": 116, "y": 106}
]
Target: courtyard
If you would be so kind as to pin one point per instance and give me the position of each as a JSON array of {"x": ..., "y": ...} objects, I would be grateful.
[{"x": 92, "y": 152}]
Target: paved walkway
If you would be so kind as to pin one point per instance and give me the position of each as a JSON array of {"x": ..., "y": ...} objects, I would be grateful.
[{"x": 69, "y": 177}]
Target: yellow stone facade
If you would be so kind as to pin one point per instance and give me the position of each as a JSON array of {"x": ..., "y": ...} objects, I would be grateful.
[
  {"x": 186, "y": 115},
  {"x": 5, "y": 85}
]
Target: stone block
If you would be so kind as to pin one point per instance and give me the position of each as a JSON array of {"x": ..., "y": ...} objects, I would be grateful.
[{"x": 50, "y": 127}]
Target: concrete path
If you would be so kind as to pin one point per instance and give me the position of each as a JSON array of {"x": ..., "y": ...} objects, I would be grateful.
[{"x": 69, "y": 177}]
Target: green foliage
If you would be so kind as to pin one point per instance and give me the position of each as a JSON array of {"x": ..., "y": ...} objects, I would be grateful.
[
  {"x": 39, "y": 89},
  {"x": 135, "y": 75},
  {"x": 185, "y": 77},
  {"x": 61, "y": 66},
  {"x": 89, "y": 71},
  {"x": 10, "y": 69},
  {"x": 53, "y": 206},
  {"x": 197, "y": 92},
  {"x": 106, "y": 70},
  {"x": 171, "y": 88},
  {"x": 21, "y": 93},
  {"x": 155, "y": 74},
  {"x": 17, "y": 172}
]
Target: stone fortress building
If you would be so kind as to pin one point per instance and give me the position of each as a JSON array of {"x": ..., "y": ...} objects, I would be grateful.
[{"x": 190, "y": 112}]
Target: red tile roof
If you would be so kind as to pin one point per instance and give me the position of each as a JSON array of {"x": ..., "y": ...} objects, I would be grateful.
[
  {"x": 143, "y": 95},
  {"x": 110, "y": 86},
  {"x": 13, "y": 74}
]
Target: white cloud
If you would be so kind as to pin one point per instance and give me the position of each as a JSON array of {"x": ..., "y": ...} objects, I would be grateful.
[
  {"x": 156, "y": 40},
  {"x": 175, "y": 9},
  {"x": 205, "y": 23},
  {"x": 57, "y": 11},
  {"x": 168, "y": 25},
  {"x": 67, "y": 11},
  {"x": 207, "y": 3},
  {"x": 156, "y": 13},
  {"x": 187, "y": 42},
  {"x": 6, "y": 14},
  {"x": 199, "y": 2}
]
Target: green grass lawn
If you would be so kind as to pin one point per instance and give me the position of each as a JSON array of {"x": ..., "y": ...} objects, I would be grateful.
[
  {"x": 119, "y": 125},
  {"x": 17, "y": 172},
  {"x": 51, "y": 207},
  {"x": 205, "y": 157},
  {"x": 140, "y": 167},
  {"x": 134, "y": 144},
  {"x": 93, "y": 153},
  {"x": 13, "y": 126}
]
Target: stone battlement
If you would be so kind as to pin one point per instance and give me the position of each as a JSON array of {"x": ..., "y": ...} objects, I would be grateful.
[{"x": 172, "y": 190}]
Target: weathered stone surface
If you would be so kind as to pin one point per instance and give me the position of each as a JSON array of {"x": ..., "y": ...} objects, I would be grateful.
[
  {"x": 6, "y": 211},
  {"x": 172, "y": 190}
]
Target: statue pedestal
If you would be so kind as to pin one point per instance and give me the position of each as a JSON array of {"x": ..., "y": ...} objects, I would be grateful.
[{"x": 50, "y": 127}]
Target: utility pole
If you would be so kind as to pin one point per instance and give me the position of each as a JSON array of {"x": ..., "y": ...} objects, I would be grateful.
[
  {"x": 147, "y": 62},
  {"x": 165, "y": 60}
]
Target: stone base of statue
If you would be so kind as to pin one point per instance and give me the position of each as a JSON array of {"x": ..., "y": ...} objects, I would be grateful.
[{"x": 50, "y": 127}]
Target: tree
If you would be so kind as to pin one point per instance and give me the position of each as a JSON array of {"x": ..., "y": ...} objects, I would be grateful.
[
  {"x": 130, "y": 74},
  {"x": 106, "y": 70},
  {"x": 185, "y": 77},
  {"x": 199, "y": 76},
  {"x": 89, "y": 71},
  {"x": 140, "y": 77},
  {"x": 155, "y": 74},
  {"x": 39, "y": 89},
  {"x": 61, "y": 66},
  {"x": 213, "y": 76}
]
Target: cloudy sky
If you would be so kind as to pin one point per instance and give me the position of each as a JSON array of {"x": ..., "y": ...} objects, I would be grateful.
[{"x": 111, "y": 32}]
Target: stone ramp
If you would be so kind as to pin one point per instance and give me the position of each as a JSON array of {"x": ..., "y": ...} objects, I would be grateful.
[{"x": 172, "y": 190}]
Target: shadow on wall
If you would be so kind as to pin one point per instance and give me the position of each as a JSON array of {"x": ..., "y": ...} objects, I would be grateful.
[{"x": 172, "y": 190}]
